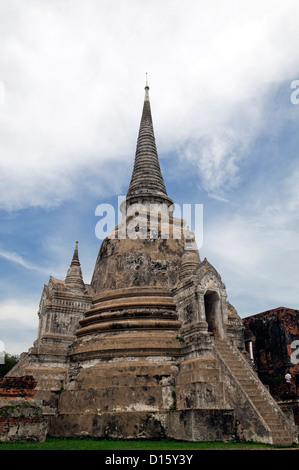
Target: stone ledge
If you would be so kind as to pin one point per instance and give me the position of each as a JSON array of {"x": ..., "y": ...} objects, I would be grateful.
[
  {"x": 132, "y": 292},
  {"x": 141, "y": 324}
]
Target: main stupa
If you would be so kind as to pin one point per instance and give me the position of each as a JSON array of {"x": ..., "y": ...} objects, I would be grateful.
[{"x": 151, "y": 348}]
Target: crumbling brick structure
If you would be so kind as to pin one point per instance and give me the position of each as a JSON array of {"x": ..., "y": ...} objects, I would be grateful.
[
  {"x": 272, "y": 338},
  {"x": 11, "y": 387},
  {"x": 20, "y": 417}
]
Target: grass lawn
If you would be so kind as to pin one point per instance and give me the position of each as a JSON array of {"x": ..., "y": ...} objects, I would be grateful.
[{"x": 108, "y": 445}]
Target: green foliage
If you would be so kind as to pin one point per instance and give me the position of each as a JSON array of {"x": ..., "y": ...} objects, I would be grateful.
[
  {"x": 17, "y": 411},
  {"x": 173, "y": 406},
  {"x": 180, "y": 339},
  {"x": 9, "y": 362},
  {"x": 111, "y": 444}
]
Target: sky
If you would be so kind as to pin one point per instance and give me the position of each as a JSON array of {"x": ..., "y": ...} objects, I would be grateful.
[{"x": 224, "y": 92}]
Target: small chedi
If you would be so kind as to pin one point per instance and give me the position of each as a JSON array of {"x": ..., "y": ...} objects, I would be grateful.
[{"x": 151, "y": 348}]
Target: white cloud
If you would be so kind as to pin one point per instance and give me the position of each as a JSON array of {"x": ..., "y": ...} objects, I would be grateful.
[
  {"x": 256, "y": 249},
  {"x": 24, "y": 312},
  {"x": 18, "y": 325},
  {"x": 18, "y": 259},
  {"x": 73, "y": 73}
]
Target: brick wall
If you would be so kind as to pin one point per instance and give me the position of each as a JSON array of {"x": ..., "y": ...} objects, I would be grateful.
[
  {"x": 17, "y": 415},
  {"x": 272, "y": 334},
  {"x": 21, "y": 419},
  {"x": 11, "y": 387}
]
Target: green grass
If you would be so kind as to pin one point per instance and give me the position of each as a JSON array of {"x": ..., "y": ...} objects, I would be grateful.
[{"x": 167, "y": 444}]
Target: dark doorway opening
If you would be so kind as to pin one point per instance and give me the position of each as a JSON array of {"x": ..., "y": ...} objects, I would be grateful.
[{"x": 212, "y": 310}]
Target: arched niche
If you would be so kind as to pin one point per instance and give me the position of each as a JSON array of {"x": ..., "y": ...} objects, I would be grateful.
[{"x": 213, "y": 314}]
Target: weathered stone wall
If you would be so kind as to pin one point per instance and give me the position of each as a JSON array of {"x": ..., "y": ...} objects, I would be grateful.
[
  {"x": 20, "y": 417},
  {"x": 132, "y": 385},
  {"x": 140, "y": 262},
  {"x": 21, "y": 421},
  {"x": 202, "y": 425},
  {"x": 189, "y": 425}
]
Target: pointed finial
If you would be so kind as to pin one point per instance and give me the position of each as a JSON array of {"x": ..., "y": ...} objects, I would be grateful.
[
  {"x": 146, "y": 98},
  {"x": 76, "y": 255},
  {"x": 146, "y": 82}
]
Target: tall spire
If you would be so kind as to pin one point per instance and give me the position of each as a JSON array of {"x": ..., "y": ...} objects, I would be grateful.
[
  {"x": 147, "y": 180},
  {"x": 74, "y": 278}
]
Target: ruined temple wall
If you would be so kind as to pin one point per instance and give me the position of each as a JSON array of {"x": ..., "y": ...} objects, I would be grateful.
[
  {"x": 21, "y": 418},
  {"x": 273, "y": 333}
]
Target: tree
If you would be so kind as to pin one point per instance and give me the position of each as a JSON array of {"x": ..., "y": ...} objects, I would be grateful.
[{"x": 9, "y": 362}]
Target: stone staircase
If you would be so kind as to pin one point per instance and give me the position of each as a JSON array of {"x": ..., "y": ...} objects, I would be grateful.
[{"x": 281, "y": 431}]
